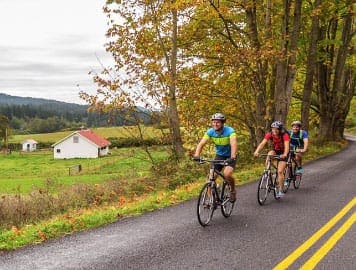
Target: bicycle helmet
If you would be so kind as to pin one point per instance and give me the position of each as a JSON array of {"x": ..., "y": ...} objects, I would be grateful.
[
  {"x": 296, "y": 123},
  {"x": 277, "y": 124},
  {"x": 218, "y": 116}
]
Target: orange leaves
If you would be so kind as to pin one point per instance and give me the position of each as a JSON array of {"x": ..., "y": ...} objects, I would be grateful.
[
  {"x": 122, "y": 200},
  {"x": 41, "y": 235},
  {"x": 15, "y": 230}
]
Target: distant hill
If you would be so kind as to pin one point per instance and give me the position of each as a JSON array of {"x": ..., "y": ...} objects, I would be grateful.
[
  {"x": 38, "y": 115},
  {"x": 46, "y": 104}
]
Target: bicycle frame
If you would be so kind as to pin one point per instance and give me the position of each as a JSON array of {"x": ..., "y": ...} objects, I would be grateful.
[
  {"x": 213, "y": 174},
  {"x": 290, "y": 169},
  {"x": 267, "y": 181}
]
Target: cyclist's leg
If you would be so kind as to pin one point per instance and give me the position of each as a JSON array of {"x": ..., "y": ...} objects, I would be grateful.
[
  {"x": 272, "y": 153},
  {"x": 298, "y": 158},
  {"x": 228, "y": 174},
  {"x": 280, "y": 169},
  {"x": 228, "y": 171}
]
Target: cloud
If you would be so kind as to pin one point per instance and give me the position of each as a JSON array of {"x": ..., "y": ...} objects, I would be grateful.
[{"x": 48, "y": 49}]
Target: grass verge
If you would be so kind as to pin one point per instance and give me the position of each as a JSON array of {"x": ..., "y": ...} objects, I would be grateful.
[{"x": 94, "y": 216}]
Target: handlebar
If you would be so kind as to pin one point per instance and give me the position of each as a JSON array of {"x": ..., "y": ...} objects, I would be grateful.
[
  {"x": 218, "y": 162},
  {"x": 270, "y": 156}
]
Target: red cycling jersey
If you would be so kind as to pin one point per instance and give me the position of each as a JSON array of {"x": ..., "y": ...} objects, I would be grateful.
[{"x": 277, "y": 140}]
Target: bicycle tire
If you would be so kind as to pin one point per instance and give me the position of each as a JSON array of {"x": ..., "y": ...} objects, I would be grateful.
[
  {"x": 297, "y": 180},
  {"x": 226, "y": 205},
  {"x": 263, "y": 188},
  {"x": 288, "y": 179},
  {"x": 275, "y": 185},
  {"x": 206, "y": 205}
]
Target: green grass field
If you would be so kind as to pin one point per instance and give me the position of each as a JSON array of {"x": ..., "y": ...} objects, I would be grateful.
[
  {"x": 118, "y": 132},
  {"x": 21, "y": 172}
]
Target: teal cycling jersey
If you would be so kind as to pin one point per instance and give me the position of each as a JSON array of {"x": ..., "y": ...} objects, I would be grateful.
[{"x": 221, "y": 140}]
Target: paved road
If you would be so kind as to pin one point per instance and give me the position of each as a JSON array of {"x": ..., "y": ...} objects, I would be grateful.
[{"x": 254, "y": 237}]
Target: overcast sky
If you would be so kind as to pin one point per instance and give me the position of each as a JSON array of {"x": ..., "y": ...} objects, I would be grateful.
[{"x": 47, "y": 47}]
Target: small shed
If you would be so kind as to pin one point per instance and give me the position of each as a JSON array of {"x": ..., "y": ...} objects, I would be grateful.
[
  {"x": 29, "y": 145},
  {"x": 81, "y": 144}
]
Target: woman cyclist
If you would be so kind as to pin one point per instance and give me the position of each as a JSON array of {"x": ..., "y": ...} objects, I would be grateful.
[{"x": 280, "y": 146}]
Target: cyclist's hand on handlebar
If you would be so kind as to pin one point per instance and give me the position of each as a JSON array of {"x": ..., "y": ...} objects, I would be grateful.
[
  {"x": 256, "y": 154},
  {"x": 283, "y": 156},
  {"x": 230, "y": 161},
  {"x": 302, "y": 151},
  {"x": 198, "y": 159}
]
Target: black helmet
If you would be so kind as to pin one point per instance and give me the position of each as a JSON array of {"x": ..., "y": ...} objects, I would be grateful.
[
  {"x": 277, "y": 124},
  {"x": 296, "y": 123},
  {"x": 218, "y": 116}
]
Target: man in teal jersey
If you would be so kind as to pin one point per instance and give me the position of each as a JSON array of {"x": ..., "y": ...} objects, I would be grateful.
[
  {"x": 298, "y": 141},
  {"x": 224, "y": 138}
]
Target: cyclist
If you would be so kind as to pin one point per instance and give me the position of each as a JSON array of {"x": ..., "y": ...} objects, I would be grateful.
[
  {"x": 298, "y": 140},
  {"x": 224, "y": 138},
  {"x": 280, "y": 142}
]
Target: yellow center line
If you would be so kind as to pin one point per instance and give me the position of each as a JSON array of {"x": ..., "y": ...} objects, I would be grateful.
[
  {"x": 314, "y": 238},
  {"x": 315, "y": 259}
]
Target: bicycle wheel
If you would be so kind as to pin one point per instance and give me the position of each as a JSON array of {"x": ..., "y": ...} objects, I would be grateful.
[
  {"x": 226, "y": 205},
  {"x": 297, "y": 180},
  {"x": 263, "y": 188},
  {"x": 206, "y": 207},
  {"x": 275, "y": 186},
  {"x": 287, "y": 179}
]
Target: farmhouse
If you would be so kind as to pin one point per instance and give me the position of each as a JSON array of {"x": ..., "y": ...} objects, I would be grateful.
[
  {"x": 29, "y": 145},
  {"x": 81, "y": 144}
]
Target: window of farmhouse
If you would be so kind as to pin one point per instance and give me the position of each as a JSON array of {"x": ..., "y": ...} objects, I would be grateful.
[
  {"x": 58, "y": 150},
  {"x": 75, "y": 139}
]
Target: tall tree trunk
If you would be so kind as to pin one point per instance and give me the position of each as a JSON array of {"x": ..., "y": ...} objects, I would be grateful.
[
  {"x": 337, "y": 81},
  {"x": 311, "y": 63},
  {"x": 257, "y": 129},
  {"x": 172, "y": 110},
  {"x": 285, "y": 69}
]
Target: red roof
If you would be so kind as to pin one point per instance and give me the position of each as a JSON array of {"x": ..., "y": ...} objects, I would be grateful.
[{"x": 91, "y": 136}]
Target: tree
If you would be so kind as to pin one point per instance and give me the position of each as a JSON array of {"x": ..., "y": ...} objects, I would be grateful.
[
  {"x": 143, "y": 43},
  {"x": 247, "y": 60},
  {"x": 310, "y": 64},
  {"x": 286, "y": 63},
  {"x": 4, "y": 129},
  {"x": 335, "y": 69}
]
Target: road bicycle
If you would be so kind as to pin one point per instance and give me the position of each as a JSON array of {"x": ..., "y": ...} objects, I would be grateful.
[
  {"x": 211, "y": 196},
  {"x": 269, "y": 179},
  {"x": 290, "y": 172}
]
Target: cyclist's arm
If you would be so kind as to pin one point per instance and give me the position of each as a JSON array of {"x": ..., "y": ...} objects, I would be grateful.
[
  {"x": 200, "y": 147},
  {"x": 233, "y": 143},
  {"x": 306, "y": 142},
  {"x": 260, "y": 146},
  {"x": 286, "y": 149}
]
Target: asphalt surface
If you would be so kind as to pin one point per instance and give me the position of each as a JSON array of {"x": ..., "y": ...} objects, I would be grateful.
[{"x": 254, "y": 237}]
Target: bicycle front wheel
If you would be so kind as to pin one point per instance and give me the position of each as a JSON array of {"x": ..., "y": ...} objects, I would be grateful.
[
  {"x": 297, "y": 180},
  {"x": 263, "y": 188},
  {"x": 226, "y": 205},
  {"x": 206, "y": 205},
  {"x": 287, "y": 179}
]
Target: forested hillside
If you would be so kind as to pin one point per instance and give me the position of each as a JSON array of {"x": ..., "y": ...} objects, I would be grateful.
[{"x": 35, "y": 115}]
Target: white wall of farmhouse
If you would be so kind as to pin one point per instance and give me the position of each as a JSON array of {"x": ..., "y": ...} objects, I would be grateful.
[{"x": 77, "y": 147}]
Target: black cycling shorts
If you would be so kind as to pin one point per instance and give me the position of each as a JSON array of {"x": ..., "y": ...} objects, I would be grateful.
[
  {"x": 220, "y": 167},
  {"x": 280, "y": 152}
]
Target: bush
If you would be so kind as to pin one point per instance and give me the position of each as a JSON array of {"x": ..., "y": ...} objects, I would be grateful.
[{"x": 132, "y": 141}]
